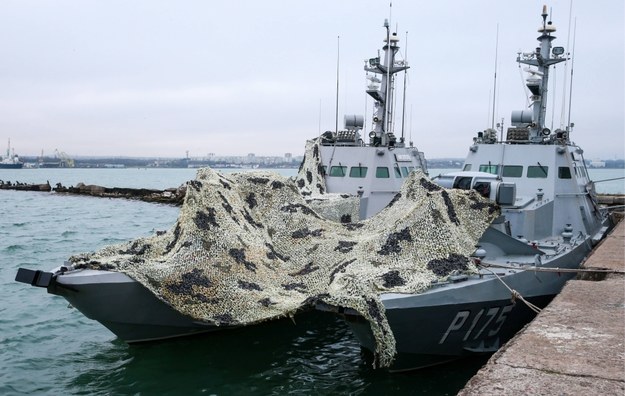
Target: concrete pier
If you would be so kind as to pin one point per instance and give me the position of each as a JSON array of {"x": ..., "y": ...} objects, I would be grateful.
[{"x": 575, "y": 346}]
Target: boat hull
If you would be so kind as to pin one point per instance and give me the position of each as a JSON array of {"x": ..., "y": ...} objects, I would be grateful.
[
  {"x": 429, "y": 336},
  {"x": 470, "y": 317},
  {"x": 124, "y": 306},
  {"x": 12, "y": 166},
  {"x": 449, "y": 321}
]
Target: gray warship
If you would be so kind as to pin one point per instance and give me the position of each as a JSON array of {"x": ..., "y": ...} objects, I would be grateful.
[
  {"x": 370, "y": 169},
  {"x": 550, "y": 221},
  {"x": 11, "y": 160}
]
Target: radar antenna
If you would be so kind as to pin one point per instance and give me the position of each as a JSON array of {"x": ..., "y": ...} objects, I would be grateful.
[
  {"x": 336, "y": 113},
  {"x": 569, "y": 126},
  {"x": 403, "y": 110},
  {"x": 492, "y": 122}
]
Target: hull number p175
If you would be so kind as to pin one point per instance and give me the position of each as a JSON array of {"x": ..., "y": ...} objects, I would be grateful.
[{"x": 479, "y": 323}]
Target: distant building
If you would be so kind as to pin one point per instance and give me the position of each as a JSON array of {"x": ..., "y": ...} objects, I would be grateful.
[
  {"x": 597, "y": 163},
  {"x": 288, "y": 157}
]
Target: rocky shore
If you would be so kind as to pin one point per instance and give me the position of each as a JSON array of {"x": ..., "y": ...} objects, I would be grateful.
[{"x": 173, "y": 196}]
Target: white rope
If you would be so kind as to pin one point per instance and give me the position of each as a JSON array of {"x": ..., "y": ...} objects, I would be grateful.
[
  {"x": 553, "y": 269},
  {"x": 515, "y": 294}
]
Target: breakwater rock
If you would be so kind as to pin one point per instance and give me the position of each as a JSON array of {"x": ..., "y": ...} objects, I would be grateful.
[
  {"x": 173, "y": 196},
  {"x": 8, "y": 185}
]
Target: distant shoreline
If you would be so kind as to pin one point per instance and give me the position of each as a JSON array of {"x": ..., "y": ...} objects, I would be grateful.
[{"x": 234, "y": 162}]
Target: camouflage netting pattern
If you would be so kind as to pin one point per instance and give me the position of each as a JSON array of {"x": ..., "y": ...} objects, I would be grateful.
[{"x": 250, "y": 247}]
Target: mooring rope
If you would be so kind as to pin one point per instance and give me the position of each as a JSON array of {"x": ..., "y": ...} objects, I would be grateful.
[
  {"x": 607, "y": 180},
  {"x": 553, "y": 269},
  {"x": 515, "y": 294},
  {"x": 614, "y": 207}
]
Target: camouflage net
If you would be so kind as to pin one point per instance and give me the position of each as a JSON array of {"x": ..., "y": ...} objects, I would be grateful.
[{"x": 248, "y": 247}]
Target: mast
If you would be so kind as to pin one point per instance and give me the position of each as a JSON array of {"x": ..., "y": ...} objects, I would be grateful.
[
  {"x": 381, "y": 133},
  {"x": 387, "y": 87},
  {"x": 538, "y": 81}
]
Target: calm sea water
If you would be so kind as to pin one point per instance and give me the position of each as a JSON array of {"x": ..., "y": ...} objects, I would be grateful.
[{"x": 48, "y": 348}]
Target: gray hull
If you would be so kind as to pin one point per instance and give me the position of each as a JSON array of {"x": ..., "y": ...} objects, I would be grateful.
[
  {"x": 472, "y": 316},
  {"x": 124, "y": 306}
]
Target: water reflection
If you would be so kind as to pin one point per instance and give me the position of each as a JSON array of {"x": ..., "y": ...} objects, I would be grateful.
[
  {"x": 317, "y": 354},
  {"x": 275, "y": 357}
]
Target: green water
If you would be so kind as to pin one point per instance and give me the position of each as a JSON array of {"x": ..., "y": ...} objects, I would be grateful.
[{"x": 48, "y": 348}]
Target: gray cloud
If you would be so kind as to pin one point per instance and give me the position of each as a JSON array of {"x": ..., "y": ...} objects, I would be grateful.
[{"x": 156, "y": 78}]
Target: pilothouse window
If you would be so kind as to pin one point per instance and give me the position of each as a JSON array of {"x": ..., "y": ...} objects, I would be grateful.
[
  {"x": 512, "y": 171},
  {"x": 493, "y": 169},
  {"x": 358, "y": 171},
  {"x": 564, "y": 172},
  {"x": 537, "y": 171},
  {"x": 338, "y": 171},
  {"x": 381, "y": 172},
  {"x": 397, "y": 171}
]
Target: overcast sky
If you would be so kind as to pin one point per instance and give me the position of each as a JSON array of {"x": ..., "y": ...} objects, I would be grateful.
[{"x": 157, "y": 78}]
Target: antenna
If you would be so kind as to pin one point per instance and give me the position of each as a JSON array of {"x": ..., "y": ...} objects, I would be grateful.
[
  {"x": 338, "y": 53},
  {"x": 566, "y": 67},
  {"x": 492, "y": 122},
  {"x": 410, "y": 130},
  {"x": 568, "y": 124},
  {"x": 553, "y": 100},
  {"x": 388, "y": 79},
  {"x": 403, "y": 110},
  {"x": 366, "y": 97},
  {"x": 488, "y": 117},
  {"x": 319, "y": 117},
  {"x": 523, "y": 86}
]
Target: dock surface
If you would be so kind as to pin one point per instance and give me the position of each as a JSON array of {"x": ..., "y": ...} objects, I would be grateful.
[{"x": 575, "y": 346}]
